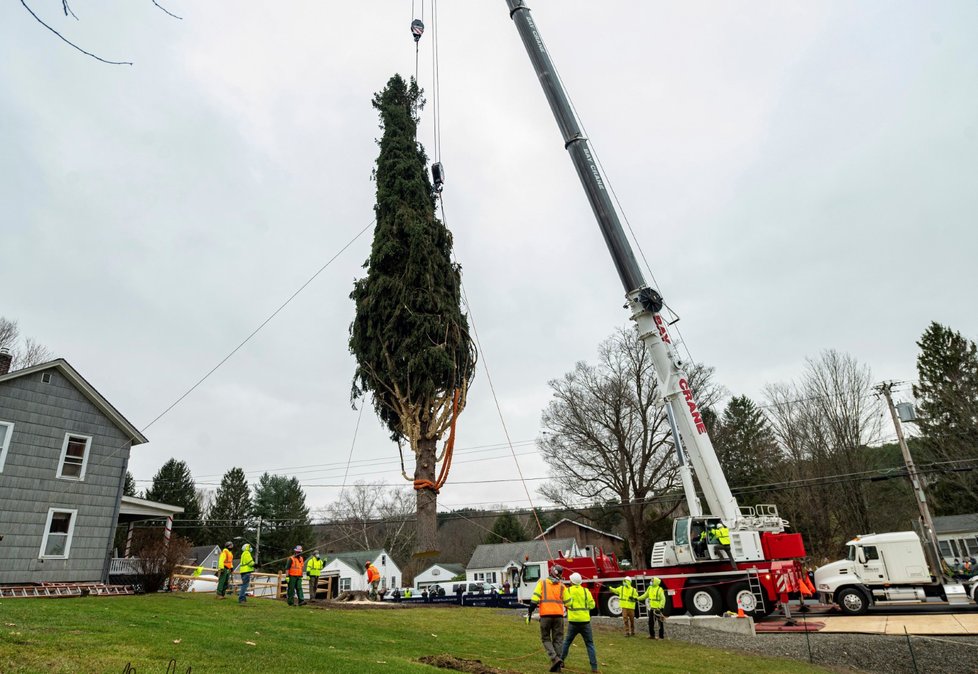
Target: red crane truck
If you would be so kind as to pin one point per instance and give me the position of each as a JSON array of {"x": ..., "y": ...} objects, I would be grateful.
[{"x": 760, "y": 566}]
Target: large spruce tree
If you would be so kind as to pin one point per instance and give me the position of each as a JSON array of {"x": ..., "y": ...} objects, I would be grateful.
[
  {"x": 410, "y": 336},
  {"x": 281, "y": 503},
  {"x": 947, "y": 399},
  {"x": 746, "y": 446},
  {"x": 229, "y": 515},
  {"x": 174, "y": 484}
]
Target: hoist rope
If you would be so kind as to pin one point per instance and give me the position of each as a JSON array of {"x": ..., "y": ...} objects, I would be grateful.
[
  {"x": 495, "y": 398},
  {"x": 446, "y": 453},
  {"x": 353, "y": 444},
  {"x": 435, "y": 81}
]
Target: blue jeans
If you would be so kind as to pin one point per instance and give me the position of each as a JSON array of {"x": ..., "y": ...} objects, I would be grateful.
[
  {"x": 245, "y": 579},
  {"x": 584, "y": 629}
]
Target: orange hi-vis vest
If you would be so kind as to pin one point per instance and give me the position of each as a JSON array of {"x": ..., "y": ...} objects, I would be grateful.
[
  {"x": 372, "y": 574},
  {"x": 551, "y": 597},
  {"x": 296, "y": 564},
  {"x": 227, "y": 559}
]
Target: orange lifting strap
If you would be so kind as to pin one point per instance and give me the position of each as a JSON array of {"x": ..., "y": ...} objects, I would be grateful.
[{"x": 447, "y": 461}]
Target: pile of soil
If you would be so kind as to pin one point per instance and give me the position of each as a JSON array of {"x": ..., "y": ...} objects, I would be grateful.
[{"x": 445, "y": 661}]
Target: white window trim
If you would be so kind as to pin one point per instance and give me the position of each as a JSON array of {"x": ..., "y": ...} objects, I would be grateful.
[
  {"x": 64, "y": 453},
  {"x": 47, "y": 530},
  {"x": 6, "y": 442}
]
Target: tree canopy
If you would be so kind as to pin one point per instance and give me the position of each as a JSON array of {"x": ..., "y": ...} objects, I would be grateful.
[
  {"x": 409, "y": 336},
  {"x": 229, "y": 516},
  {"x": 947, "y": 399},
  {"x": 281, "y": 503},
  {"x": 174, "y": 484}
]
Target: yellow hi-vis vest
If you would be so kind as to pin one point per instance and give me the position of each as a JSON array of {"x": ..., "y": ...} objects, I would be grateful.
[
  {"x": 314, "y": 566},
  {"x": 247, "y": 562},
  {"x": 627, "y": 595},
  {"x": 579, "y": 604},
  {"x": 656, "y": 594}
]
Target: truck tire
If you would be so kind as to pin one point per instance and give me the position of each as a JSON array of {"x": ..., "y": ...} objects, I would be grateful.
[
  {"x": 748, "y": 600},
  {"x": 610, "y": 605},
  {"x": 852, "y": 601},
  {"x": 703, "y": 600}
]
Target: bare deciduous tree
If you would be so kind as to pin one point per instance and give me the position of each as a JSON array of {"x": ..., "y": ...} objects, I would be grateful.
[
  {"x": 368, "y": 516},
  {"x": 608, "y": 437},
  {"x": 27, "y": 351},
  {"x": 824, "y": 424}
]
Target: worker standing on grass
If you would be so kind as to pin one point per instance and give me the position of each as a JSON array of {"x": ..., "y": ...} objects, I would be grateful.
[
  {"x": 551, "y": 596},
  {"x": 314, "y": 567},
  {"x": 627, "y": 598},
  {"x": 373, "y": 579},
  {"x": 656, "y": 596},
  {"x": 245, "y": 568},
  {"x": 225, "y": 563},
  {"x": 579, "y": 606},
  {"x": 296, "y": 564}
]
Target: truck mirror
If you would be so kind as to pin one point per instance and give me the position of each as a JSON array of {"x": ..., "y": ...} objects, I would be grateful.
[{"x": 860, "y": 556}]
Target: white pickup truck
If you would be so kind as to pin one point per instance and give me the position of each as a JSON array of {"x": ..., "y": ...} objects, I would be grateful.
[{"x": 887, "y": 569}]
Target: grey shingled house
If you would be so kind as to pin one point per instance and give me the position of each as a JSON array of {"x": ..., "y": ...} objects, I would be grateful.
[{"x": 64, "y": 450}]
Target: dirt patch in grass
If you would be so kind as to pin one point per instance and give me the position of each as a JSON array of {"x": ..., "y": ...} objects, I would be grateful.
[{"x": 446, "y": 661}]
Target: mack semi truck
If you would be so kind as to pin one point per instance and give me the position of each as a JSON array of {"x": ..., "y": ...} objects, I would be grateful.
[
  {"x": 759, "y": 566},
  {"x": 889, "y": 569}
]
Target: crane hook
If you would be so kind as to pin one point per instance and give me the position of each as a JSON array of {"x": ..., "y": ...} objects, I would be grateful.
[{"x": 417, "y": 29}]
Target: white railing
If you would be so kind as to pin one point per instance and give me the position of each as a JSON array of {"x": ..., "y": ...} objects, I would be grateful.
[{"x": 128, "y": 566}]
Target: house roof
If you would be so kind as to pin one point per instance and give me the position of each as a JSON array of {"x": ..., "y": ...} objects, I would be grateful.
[
  {"x": 358, "y": 558},
  {"x": 454, "y": 569},
  {"x": 954, "y": 523},
  {"x": 132, "y": 506},
  {"x": 96, "y": 398},
  {"x": 579, "y": 524},
  {"x": 202, "y": 552},
  {"x": 497, "y": 555}
]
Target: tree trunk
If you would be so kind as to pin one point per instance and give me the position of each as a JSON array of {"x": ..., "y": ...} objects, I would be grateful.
[
  {"x": 636, "y": 542},
  {"x": 427, "y": 519}
]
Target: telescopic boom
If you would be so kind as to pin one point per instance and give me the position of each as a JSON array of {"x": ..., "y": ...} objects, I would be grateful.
[{"x": 645, "y": 303}]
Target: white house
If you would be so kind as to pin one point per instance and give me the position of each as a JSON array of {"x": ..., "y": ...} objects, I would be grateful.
[
  {"x": 957, "y": 535},
  {"x": 438, "y": 574},
  {"x": 501, "y": 562},
  {"x": 350, "y": 569}
]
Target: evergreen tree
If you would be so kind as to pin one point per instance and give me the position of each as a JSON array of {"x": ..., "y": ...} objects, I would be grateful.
[
  {"x": 507, "y": 529},
  {"x": 410, "y": 337},
  {"x": 174, "y": 484},
  {"x": 745, "y": 445},
  {"x": 229, "y": 516},
  {"x": 947, "y": 399},
  {"x": 129, "y": 488},
  {"x": 281, "y": 504}
]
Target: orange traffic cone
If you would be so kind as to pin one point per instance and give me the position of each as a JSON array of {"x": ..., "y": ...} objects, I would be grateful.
[{"x": 740, "y": 610}]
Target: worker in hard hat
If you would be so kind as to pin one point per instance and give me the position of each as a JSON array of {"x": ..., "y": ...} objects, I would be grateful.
[
  {"x": 314, "y": 568},
  {"x": 551, "y": 595},
  {"x": 627, "y": 598},
  {"x": 655, "y": 594},
  {"x": 580, "y": 603},
  {"x": 295, "y": 567},
  {"x": 225, "y": 563},
  {"x": 373, "y": 579},
  {"x": 245, "y": 568}
]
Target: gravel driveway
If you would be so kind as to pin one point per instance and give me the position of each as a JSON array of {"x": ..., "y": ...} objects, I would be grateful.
[{"x": 844, "y": 652}]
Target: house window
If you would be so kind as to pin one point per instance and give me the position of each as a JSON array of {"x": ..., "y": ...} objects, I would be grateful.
[
  {"x": 57, "y": 533},
  {"x": 480, "y": 576},
  {"x": 972, "y": 542},
  {"x": 6, "y": 430},
  {"x": 344, "y": 584},
  {"x": 945, "y": 548},
  {"x": 74, "y": 456}
]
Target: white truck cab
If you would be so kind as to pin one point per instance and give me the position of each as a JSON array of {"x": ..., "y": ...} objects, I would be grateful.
[{"x": 883, "y": 569}]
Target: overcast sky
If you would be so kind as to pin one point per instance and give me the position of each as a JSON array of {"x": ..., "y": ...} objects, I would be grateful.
[{"x": 801, "y": 176}]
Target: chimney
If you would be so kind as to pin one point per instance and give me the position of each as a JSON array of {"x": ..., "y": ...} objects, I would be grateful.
[{"x": 5, "y": 360}]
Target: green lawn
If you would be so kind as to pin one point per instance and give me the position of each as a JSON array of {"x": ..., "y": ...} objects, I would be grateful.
[{"x": 103, "y": 634}]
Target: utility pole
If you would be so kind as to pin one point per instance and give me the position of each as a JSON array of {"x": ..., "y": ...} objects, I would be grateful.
[
  {"x": 918, "y": 489},
  {"x": 258, "y": 537}
]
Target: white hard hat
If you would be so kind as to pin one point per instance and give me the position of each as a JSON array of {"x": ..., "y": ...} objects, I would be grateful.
[{"x": 576, "y": 578}]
